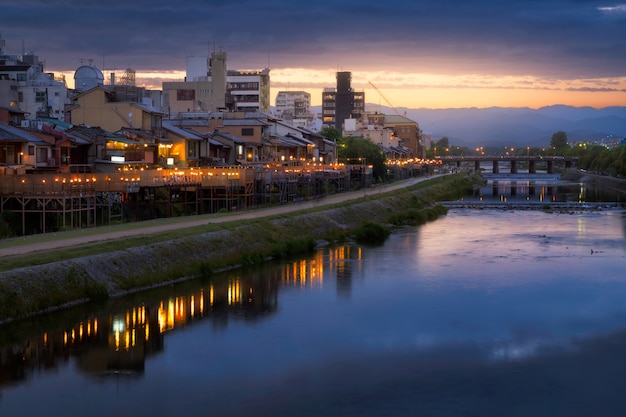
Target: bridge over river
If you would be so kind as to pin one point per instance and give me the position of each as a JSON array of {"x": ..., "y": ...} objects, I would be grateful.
[{"x": 514, "y": 161}]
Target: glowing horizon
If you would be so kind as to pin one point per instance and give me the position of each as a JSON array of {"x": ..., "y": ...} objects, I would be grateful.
[{"x": 433, "y": 91}]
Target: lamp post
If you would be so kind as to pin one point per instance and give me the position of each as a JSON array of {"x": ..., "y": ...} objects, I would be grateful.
[{"x": 364, "y": 176}]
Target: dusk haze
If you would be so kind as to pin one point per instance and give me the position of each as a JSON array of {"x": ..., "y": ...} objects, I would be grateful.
[
  {"x": 443, "y": 54},
  {"x": 330, "y": 208}
]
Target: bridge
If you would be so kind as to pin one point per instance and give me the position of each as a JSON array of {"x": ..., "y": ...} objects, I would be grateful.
[{"x": 513, "y": 160}]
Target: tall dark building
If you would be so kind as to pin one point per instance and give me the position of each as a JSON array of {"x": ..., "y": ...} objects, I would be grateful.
[{"x": 341, "y": 103}]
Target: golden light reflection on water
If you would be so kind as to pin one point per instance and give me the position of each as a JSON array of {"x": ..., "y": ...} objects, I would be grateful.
[
  {"x": 137, "y": 331},
  {"x": 582, "y": 227}
]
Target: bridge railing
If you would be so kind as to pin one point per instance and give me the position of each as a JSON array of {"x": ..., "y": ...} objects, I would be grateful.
[{"x": 507, "y": 158}]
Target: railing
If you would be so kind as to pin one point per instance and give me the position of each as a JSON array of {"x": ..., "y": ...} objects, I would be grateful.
[
  {"x": 507, "y": 158},
  {"x": 131, "y": 181}
]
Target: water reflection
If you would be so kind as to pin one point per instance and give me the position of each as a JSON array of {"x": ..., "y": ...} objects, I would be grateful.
[
  {"x": 539, "y": 191},
  {"x": 120, "y": 342},
  {"x": 483, "y": 312}
]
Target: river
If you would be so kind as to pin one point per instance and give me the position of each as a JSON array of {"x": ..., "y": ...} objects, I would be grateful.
[{"x": 480, "y": 313}]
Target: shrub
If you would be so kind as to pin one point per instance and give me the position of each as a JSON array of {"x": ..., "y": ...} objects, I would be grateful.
[{"x": 370, "y": 232}]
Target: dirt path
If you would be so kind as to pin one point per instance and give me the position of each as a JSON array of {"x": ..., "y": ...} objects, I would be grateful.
[{"x": 22, "y": 246}]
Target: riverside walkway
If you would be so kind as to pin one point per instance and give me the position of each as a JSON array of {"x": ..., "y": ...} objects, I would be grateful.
[{"x": 51, "y": 241}]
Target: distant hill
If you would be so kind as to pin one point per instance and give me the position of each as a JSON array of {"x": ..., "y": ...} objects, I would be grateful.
[
  {"x": 520, "y": 126},
  {"x": 500, "y": 126}
]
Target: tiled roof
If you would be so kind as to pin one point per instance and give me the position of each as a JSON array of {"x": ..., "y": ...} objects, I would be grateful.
[
  {"x": 181, "y": 132},
  {"x": 11, "y": 133}
]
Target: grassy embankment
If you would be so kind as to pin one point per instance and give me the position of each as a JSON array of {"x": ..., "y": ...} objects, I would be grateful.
[{"x": 55, "y": 278}]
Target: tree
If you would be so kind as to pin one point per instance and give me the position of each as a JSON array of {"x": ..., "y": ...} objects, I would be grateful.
[
  {"x": 331, "y": 133},
  {"x": 559, "y": 140},
  {"x": 359, "y": 148},
  {"x": 443, "y": 143}
]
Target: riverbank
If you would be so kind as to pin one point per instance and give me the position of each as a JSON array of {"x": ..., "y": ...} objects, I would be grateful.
[
  {"x": 32, "y": 290},
  {"x": 612, "y": 183}
]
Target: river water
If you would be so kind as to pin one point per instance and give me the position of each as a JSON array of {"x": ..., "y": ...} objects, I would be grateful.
[{"x": 480, "y": 313}]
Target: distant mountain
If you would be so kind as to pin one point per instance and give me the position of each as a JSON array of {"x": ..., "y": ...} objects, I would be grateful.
[
  {"x": 504, "y": 126},
  {"x": 520, "y": 126}
]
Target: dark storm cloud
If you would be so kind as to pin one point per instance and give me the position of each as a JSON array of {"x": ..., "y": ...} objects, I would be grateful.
[{"x": 564, "y": 38}]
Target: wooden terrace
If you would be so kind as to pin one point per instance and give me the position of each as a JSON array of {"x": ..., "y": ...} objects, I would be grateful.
[{"x": 55, "y": 201}]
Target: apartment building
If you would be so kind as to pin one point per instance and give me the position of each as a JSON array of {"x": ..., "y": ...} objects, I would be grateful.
[
  {"x": 405, "y": 132},
  {"x": 25, "y": 85},
  {"x": 209, "y": 86},
  {"x": 342, "y": 103},
  {"x": 293, "y": 105}
]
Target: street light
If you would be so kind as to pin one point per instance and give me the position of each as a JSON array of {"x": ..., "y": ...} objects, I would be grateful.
[{"x": 364, "y": 173}]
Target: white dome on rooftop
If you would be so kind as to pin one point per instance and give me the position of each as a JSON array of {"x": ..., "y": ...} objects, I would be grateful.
[{"x": 87, "y": 77}]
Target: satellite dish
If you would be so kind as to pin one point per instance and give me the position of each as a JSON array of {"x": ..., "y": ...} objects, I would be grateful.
[{"x": 130, "y": 115}]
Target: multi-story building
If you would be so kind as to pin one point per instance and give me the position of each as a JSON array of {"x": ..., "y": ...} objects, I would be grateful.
[
  {"x": 209, "y": 86},
  {"x": 406, "y": 132},
  {"x": 398, "y": 136},
  {"x": 342, "y": 103},
  {"x": 25, "y": 85},
  {"x": 293, "y": 105}
]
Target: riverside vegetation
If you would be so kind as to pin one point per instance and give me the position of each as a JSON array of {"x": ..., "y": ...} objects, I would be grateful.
[{"x": 60, "y": 278}]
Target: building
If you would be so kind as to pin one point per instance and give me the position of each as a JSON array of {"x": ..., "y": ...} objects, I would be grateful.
[
  {"x": 404, "y": 129},
  {"x": 398, "y": 136},
  {"x": 293, "y": 106},
  {"x": 342, "y": 103},
  {"x": 144, "y": 140},
  {"x": 25, "y": 85},
  {"x": 27, "y": 150},
  {"x": 209, "y": 86}
]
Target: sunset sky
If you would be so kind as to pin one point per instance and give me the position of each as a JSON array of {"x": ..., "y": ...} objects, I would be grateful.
[{"x": 419, "y": 54}]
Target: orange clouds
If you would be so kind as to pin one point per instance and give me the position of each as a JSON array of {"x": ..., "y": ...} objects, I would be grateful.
[{"x": 424, "y": 90}]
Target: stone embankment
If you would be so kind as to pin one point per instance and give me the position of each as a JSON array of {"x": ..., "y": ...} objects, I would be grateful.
[
  {"x": 610, "y": 183},
  {"x": 32, "y": 290}
]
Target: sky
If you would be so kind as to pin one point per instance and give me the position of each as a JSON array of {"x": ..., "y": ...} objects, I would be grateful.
[{"x": 401, "y": 53}]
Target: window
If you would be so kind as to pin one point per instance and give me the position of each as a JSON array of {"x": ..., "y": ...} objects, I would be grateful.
[
  {"x": 185, "y": 95},
  {"x": 192, "y": 150},
  {"x": 31, "y": 150},
  {"x": 42, "y": 155},
  {"x": 40, "y": 96},
  {"x": 243, "y": 86},
  {"x": 156, "y": 122},
  {"x": 247, "y": 131}
]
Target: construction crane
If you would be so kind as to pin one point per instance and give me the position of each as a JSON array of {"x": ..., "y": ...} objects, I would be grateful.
[{"x": 389, "y": 103}]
